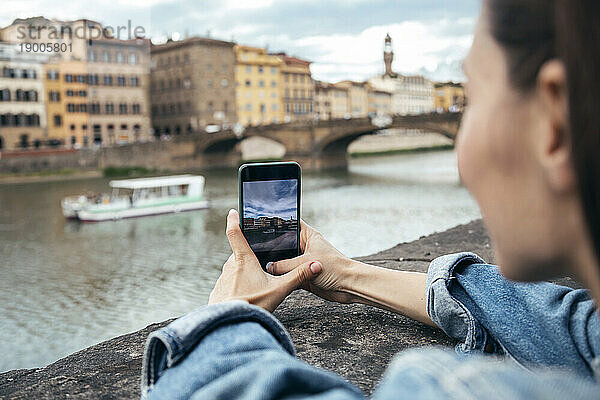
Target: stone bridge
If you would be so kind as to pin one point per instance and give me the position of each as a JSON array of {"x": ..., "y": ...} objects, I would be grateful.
[{"x": 315, "y": 145}]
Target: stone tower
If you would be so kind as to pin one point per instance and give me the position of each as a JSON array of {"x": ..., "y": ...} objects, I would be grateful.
[{"x": 388, "y": 56}]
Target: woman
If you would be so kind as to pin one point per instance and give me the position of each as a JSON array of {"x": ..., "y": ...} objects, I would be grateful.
[{"x": 528, "y": 153}]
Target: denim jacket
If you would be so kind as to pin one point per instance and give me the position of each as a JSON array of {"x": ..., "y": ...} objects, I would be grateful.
[{"x": 518, "y": 340}]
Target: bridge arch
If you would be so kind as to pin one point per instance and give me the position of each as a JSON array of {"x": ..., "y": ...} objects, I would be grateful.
[{"x": 336, "y": 141}]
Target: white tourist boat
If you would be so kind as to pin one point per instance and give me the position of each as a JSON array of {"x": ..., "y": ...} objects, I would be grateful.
[{"x": 139, "y": 197}]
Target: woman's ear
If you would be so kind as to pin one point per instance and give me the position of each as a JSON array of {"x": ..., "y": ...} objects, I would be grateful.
[{"x": 554, "y": 142}]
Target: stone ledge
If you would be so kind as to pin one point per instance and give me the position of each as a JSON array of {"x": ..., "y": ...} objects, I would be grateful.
[{"x": 355, "y": 341}]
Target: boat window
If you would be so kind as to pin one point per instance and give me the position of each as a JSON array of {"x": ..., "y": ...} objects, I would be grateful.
[
  {"x": 184, "y": 190},
  {"x": 174, "y": 190},
  {"x": 154, "y": 192}
]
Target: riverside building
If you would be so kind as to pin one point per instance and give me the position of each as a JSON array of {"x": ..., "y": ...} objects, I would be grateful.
[
  {"x": 297, "y": 89},
  {"x": 22, "y": 108},
  {"x": 118, "y": 73},
  {"x": 258, "y": 86},
  {"x": 192, "y": 86}
]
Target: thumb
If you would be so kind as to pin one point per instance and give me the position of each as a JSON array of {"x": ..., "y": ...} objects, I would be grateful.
[{"x": 302, "y": 274}]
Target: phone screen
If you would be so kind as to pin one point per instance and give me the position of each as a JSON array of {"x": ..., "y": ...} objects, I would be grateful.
[
  {"x": 269, "y": 205},
  {"x": 270, "y": 215}
]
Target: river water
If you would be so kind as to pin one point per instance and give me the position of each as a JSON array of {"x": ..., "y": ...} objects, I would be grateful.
[{"x": 66, "y": 285}]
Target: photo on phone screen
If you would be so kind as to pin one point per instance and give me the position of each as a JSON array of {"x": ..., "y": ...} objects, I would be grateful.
[{"x": 270, "y": 215}]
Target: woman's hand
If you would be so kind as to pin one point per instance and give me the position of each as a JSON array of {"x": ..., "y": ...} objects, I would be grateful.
[
  {"x": 333, "y": 282},
  {"x": 243, "y": 278}
]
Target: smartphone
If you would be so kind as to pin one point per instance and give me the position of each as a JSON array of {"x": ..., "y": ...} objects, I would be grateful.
[{"x": 269, "y": 208}]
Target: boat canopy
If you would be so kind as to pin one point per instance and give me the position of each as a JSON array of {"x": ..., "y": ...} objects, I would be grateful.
[{"x": 144, "y": 183}]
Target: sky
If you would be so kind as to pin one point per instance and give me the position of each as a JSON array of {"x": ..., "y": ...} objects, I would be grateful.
[
  {"x": 270, "y": 198},
  {"x": 343, "y": 38}
]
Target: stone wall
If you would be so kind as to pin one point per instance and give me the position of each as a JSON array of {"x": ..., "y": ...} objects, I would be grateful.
[
  {"x": 356, "y": 341},
  {"x": 38, "y": 161}
]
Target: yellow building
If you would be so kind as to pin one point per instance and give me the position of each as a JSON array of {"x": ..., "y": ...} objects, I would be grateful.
[
  {"x": 65, "y": 83},
  {"x": 257, "y": 86},
  {"x": 449, "y": 97}
]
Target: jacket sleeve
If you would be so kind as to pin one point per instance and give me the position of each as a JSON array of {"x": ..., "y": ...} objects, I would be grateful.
[
  {"x": 232, "y": 350},
  {"x": 539, "y": 324}
]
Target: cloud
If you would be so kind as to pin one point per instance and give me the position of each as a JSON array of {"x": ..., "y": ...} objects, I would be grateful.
[{"x": 270, "y": 198}]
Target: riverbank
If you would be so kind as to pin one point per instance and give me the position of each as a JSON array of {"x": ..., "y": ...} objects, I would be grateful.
[
  {"x": 355, "y": 341},
  {"x": 49, "y": 176}
]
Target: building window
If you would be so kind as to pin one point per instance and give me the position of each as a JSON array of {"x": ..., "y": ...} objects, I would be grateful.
[
  {"x": 135, "y": 108},
  {"x": 72, "y": 127},
  {"x": 80, "y": 78},
  {"x": 287, "y": 108},
  {"x": 260, "y": 69},
  {"x": 8, "y": 72},
  {"x": 5, "y": 95},
  {"x": 261, "y": 83},
  {"x": 68, "y": 78},
  {"x": 52, "y": 75},
  {"x": 109, "y": 108},
  {"x": 57, "y": 120},
  {"x": 93, "y": 79},
  {"x": 123, "y": 127},
  {"x": 249, "y": 107},
  {"x": 133, "y": 58},
  {"x": 82, "y": 93},
  {"x": 273, "y": 70},
  {"x": 209, "y": 83},
  {"x": 120, "y": 81},
  {"x": 224, "y": 82},
  {"x": 24, "y": 141},
  {"x": 134, "y": 81},
  {"x": 123, "y": 108},
  {"x": 94, "y": 108},
  {"x": 274, "y": 107},
  {"x": 120, "y": 58},
  {"x": 105, "y": 56},
  {"x": 273, "y": 83},
  {"x": 247, "y": 83},
  {"x": 108, "y": 80},
  {"x": 248, "y": 68},
  {"x": 69, "y": 93},
  {"x": 71, "y": 107},
  {"x": 187, "y": 83},
  {"x": 82, "y": 107},
  {"x": 91, "y": 55}
]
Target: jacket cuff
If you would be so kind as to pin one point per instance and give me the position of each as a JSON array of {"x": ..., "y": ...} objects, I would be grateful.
[
  {"x": 169, "y": 345},
  {"x": 443, "y": 306}
]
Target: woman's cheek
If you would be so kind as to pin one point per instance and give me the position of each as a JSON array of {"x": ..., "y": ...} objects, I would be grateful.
[{"x": 466, "y": 151}]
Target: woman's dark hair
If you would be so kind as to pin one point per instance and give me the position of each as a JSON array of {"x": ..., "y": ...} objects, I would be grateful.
[{"x": 534, "y": 31}]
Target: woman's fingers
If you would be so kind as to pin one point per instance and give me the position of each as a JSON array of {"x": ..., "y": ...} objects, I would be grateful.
[
  {"x": 239, "y": 245},
  {"x": 284, "y": 266},
  {"x": 302, "y": 274}
]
